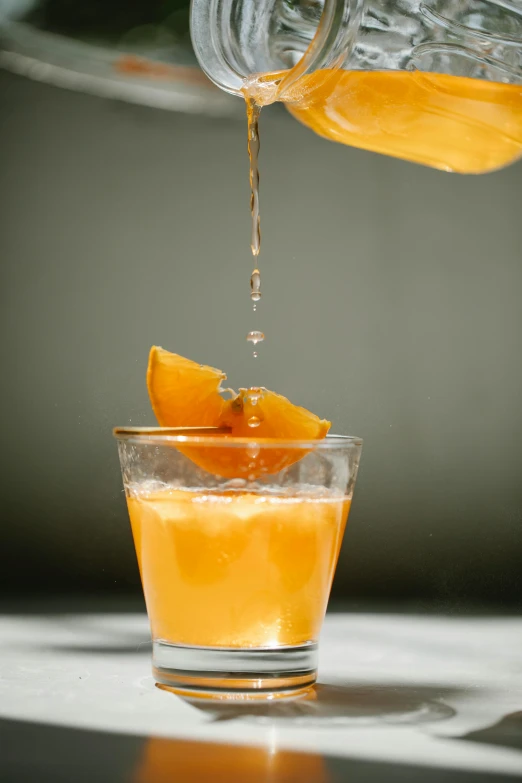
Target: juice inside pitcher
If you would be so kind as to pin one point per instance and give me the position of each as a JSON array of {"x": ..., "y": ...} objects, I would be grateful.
[{"x": 452, "y": 123}]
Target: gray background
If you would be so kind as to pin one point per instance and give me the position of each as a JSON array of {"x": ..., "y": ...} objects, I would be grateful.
[{"x": 392, "y": 304}]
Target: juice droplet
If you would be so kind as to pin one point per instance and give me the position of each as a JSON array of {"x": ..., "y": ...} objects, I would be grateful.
[
  {"x": 254, "y": 421},
  {"x": 255, "y": 286},
  {"x": 253, "y": 395},
  {"x": 254, "y": 307},
  {"x": 255, "y": 354},
  {"x": 255, "y": 337},
  {"x": 253, "y": 452}
]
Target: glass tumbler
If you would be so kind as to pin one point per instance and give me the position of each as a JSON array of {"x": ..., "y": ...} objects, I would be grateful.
[{"x": 237, "y": 542}]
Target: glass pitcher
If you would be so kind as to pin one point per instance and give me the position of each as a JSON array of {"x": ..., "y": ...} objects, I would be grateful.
[{"x": 436, "y": 82}]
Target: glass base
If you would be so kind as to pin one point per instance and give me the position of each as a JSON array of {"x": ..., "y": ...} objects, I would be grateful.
[{"x": 218, "y": 672}]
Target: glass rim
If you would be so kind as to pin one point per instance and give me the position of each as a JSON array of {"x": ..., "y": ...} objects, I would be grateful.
[{"x": 214, "y": 436}]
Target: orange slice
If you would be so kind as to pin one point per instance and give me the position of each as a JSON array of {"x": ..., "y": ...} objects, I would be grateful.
[
  {"x": 185, "y": 393},
  {"x": 273, "y": 415}
]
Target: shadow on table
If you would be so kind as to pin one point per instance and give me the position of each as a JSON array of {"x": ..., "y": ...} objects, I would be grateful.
[
  {"x": 507, "y": 733},
  {"x": 84, "y": 634},
  {"x": 342, "y": 704},
  {"x": 133, "y": 648},
  {"x": 129, "y": 646},
  {"x": 34, "y": 753}
]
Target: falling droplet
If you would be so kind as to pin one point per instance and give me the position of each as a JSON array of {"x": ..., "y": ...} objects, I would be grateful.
[
  {"x": 255, "y": 285},
  {"x": 254, "y": 308},
  {"x": 255, "y": 354},
  {"x": 255, "y": 337},
  {"x": 254, "y": 421},
  {"x": 253, "y": 395},
  {"x": 253, "y": 452}
]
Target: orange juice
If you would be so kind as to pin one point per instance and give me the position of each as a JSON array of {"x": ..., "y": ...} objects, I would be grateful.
[
  {"x": 236, "y": 569},
  {"x": 447, "y": 122}
]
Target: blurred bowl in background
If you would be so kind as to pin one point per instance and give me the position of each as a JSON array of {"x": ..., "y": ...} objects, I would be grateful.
[{"x": 140, "y": 52}]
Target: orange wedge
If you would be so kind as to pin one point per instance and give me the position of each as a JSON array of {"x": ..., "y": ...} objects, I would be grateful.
[{"x": 185, "y": 393}]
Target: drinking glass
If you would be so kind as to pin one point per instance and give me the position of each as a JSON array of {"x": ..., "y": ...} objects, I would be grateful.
[{"x": 237, "y": 542}]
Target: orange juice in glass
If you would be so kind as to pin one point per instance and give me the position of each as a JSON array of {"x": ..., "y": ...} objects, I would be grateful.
[{"x": 236, "y": 572}]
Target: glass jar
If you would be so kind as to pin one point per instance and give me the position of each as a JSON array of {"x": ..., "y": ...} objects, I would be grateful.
[{"x": 436, "y": 82}]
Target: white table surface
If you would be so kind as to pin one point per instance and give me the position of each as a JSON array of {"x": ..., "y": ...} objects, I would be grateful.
[{"x": 401, "y": 697}]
